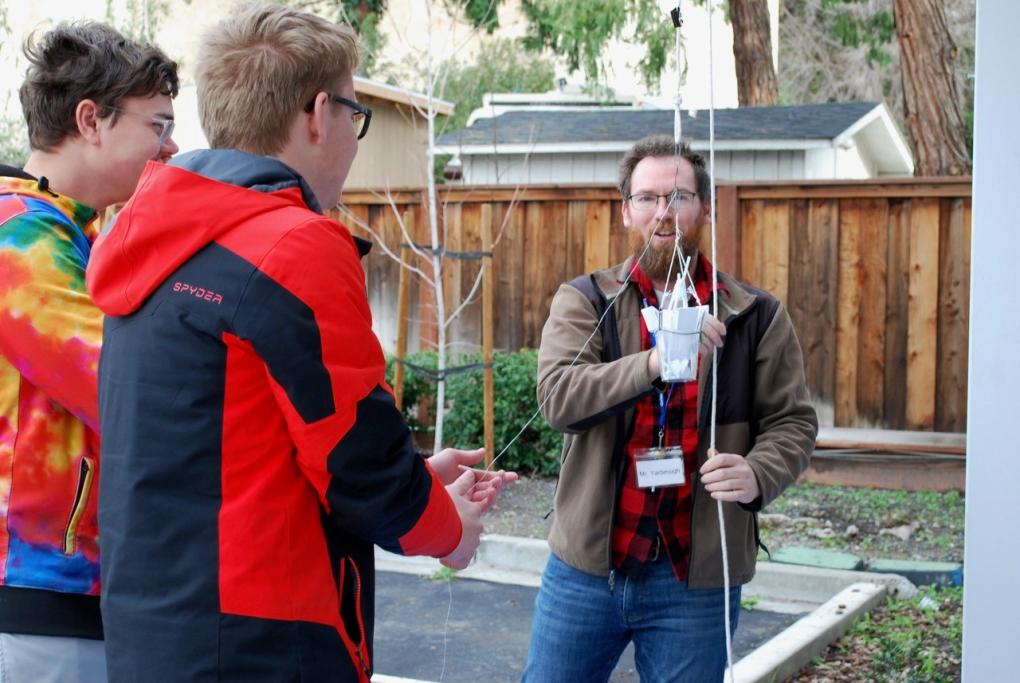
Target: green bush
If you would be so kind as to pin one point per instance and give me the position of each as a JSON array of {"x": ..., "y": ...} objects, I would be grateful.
[
  {"x": 419, "y": 390},
  {"x": 535, "y": 451}
]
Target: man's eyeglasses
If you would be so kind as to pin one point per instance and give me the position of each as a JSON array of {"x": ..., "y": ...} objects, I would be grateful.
[
  {"x": 646, "y": 201},
  {"x": 164, "y": 125},
  {"x": 361, "y": 117}
]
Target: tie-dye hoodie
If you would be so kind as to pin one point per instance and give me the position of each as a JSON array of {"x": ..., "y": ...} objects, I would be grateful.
[{"x": 50, "y": 332}]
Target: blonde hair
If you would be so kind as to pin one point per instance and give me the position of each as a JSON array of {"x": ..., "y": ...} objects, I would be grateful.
[{"x": 259, "y": 67}]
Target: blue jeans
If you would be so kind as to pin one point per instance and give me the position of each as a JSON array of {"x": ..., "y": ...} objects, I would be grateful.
[{"x": 581, "y": 628}]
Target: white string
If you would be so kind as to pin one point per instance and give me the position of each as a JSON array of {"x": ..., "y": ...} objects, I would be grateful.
[
  {"x": 681, "y": 281},
  {"x": 446, "y": 625},
  {"x": 715, "y": 354}
]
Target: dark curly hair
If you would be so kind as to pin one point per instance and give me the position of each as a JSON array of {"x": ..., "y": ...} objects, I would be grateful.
[
  {"x": 86, "y": 60},
  {"x": 657, "y": 146}
]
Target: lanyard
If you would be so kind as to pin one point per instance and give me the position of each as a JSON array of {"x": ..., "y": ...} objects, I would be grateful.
[
  {"x": 664, "y": 396},
  {"x": 664, "y": 399}
]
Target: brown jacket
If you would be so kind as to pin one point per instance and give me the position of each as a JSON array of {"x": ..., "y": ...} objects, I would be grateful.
[{"x": 763, "y": 412}]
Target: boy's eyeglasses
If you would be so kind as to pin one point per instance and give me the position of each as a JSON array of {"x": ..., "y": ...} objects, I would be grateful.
[
  {"x": 361, "y": 117},
  {"x": 165, "y": 125}
]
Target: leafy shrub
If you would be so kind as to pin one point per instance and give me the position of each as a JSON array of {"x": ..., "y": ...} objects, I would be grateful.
[
  {"x": 536, "y": 450},
  {"x": 419, "y": 390},
  {"x": 918, "y": 639}
]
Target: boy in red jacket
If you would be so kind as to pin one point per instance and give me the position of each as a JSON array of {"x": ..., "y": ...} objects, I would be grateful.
[{"x": 252, "y": 451}]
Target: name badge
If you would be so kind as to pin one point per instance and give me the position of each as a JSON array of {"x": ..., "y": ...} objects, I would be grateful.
[{"x": 660, "y": 467}]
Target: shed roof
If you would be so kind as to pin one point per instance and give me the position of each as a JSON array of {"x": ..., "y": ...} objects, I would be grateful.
[
  {"x": 540, "y": 130},
  {"x": 384, "y": 91},
  {"x": 551, "y": 126}
]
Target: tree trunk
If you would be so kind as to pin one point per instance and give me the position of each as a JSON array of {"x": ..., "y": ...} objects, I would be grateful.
[
  {"x": 931, "y": 103},
  {"x": 752, "y": 52}
]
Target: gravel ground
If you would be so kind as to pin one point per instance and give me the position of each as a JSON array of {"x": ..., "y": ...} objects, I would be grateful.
[
  {"x": 522, "y": 509},
  {"x": 870, "y": 523}
]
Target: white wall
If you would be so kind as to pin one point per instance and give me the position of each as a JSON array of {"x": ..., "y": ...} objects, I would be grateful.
[
  {"x": 819, "y": 163},
  {"x": 602, "y": 167},
  {"x": 851, "y": 164},
  {"x": 836, "y": 163},
  {"x": 758, "y": 164},
  {"x": 991, "y": 599}
]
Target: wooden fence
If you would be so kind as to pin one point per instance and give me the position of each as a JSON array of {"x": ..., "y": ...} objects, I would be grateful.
[
  {"x": 543, "y": 236},
  {"x": 875, "y": 275}
]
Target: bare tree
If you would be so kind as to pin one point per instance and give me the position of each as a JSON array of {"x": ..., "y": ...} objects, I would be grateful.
[
  {"x": 752, "y": 52},
  {"x": 931, "y": 102},
  {"x": 436, "y": 72},
  {"x": 13, "y": 133},
  {"x": 818, "y": 65},
  {"x": 835, "y": 52}
]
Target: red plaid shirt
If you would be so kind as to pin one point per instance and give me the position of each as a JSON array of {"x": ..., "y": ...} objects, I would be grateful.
[{"x": 642, "y": 516}]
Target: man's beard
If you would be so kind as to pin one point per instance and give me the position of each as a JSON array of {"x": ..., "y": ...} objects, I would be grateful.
[{"x": 658, "y": 261}]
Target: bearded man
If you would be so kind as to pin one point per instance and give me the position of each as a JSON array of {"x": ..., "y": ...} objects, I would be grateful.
[{"x": 638, "y": 561}]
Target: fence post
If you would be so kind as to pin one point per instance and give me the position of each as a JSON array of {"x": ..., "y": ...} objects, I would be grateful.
[
  {"x": 489, "y": 419},
  {"x": 727, "y": 218}
]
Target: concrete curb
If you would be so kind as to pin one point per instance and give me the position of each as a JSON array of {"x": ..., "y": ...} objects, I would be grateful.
[
  {"x": 918, "y": 572},
  {"x": 811, "y": 585},
  {"x": 921, "y": 573},
  {"x": 785, "y": 654},
  {"x": 500, "y": 559}
]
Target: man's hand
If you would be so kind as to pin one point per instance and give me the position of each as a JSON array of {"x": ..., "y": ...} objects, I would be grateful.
[
  {"x": 728, "y": 477},
  {"x": 470, "y": 518},
  {"x": 451, "y": 463},
  {"x": 713, "y": 334}
]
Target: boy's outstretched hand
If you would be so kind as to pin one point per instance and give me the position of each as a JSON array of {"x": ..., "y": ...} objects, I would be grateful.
[{"x": 451, "y": 463}]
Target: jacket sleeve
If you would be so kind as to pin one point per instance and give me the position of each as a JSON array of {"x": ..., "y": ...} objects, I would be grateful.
[
  {"x": 326, "y": 369},
  {"x": 50, "y": 330},
  {"x": 786, "y": 421},
  {"x": 575, "y": 398}
]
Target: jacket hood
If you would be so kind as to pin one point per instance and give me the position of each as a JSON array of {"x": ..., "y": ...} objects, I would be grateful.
[
  {"x": 179, "y": 208},
  {"x": 14, "y": 172}
]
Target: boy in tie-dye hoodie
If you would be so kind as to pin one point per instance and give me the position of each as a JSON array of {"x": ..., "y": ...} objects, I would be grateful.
[{"x": 98, "y": 108}]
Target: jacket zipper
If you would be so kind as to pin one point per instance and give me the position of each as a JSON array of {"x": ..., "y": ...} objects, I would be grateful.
[
  {"x": 360, "y": 649},
  {"x": 86, "y": 474},
  {"x": 618, "y": 483}
]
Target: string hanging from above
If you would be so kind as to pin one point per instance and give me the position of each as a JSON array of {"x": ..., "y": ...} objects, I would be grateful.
[{"x": 672, "y": 7}]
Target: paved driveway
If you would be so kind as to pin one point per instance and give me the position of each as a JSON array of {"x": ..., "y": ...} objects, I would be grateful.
[{"x": 487, "y": 639}]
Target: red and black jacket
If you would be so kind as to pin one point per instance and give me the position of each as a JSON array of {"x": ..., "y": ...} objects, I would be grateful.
[{"x": 252, "y": 453}]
